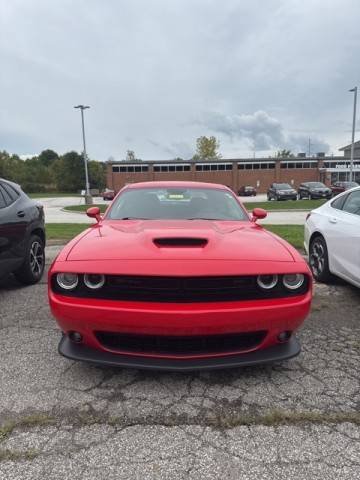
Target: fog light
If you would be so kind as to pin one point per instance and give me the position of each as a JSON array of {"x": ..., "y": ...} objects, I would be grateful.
[
  {"x": 94, "y": 280},
  {"x": 284, "y": 336},
  {"x": 67, "y": 281},
  {"x": 267, "y": 282},
  {"x": 75, "y": 337},
  {"x": 293, "y": 281}
]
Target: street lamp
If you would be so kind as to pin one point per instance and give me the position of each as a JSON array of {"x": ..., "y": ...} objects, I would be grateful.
[
  {"x": 353, "y": 134},
  {"x": 88, "y": 198}
]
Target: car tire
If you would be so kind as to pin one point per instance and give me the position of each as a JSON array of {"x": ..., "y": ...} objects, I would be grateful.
[
  {"x": 319, "y": 260},
  {"x": 33, "y": 266}
]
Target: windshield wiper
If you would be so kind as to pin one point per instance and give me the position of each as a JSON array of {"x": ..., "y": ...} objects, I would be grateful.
[{"x": 204, "y": 218}]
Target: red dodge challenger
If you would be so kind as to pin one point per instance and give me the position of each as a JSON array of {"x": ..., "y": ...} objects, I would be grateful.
[{"x": 178, "y": 276}]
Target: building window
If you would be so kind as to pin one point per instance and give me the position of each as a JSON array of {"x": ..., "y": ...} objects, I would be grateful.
[
  {"x": 156, "y": 169},
  {"x": 130, "y": 168}
]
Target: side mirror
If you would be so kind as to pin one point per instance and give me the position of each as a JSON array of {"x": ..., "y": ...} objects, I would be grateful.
[
  {"x": 94, "y": 212},
  {"x": 258, "y": 213}
]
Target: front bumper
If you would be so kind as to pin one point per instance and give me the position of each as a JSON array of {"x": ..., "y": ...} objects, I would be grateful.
[
  {"x": 287, "y": 197},
  {"x": 276, "y": 353},
  {"x": 319, "y": 195}
]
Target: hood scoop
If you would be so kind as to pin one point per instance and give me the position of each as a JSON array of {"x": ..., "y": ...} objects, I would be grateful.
[{"x": 180, "y": 242}]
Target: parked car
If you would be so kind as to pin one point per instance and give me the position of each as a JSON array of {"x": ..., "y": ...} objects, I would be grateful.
[
  {"x": 281, "y": 191},
  {"x": 332, "y": 238},
  {"x": 312, "y": 190},
  {"x": 177, "y": 275},
  {"x": 339, "y": 187},
  {"x": 247, "y": 191},
  {"x": 108, "y": 194},
  {"x": 22, "y": 234}
]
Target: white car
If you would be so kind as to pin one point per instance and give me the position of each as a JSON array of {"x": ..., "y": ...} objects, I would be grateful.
[{"x": 332, "y": 238}]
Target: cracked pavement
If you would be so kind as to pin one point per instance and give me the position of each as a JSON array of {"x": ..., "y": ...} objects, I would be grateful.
[{"x": 77, "y": 421}]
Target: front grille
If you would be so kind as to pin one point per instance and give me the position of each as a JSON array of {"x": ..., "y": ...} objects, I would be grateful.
[
  {"x": 180, "y": 289},
  {"x": 180, "y": 345}
]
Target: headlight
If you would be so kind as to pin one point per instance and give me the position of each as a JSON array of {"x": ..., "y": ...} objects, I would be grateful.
[
  {"x": 293, "y": 281},
  {"x": 267, "y": 282},
  {"x": 67, "y": 281},
  {"x": 94, "y": 280}
]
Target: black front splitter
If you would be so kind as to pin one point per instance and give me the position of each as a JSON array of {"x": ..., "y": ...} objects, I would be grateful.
[{"x": 277, "y": 353}]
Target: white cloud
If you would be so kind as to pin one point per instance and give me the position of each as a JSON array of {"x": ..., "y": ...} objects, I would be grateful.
[{"x": 149, "y": 68}]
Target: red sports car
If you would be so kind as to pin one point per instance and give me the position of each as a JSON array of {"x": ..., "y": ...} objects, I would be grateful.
[{"x": 178, "y": 275}]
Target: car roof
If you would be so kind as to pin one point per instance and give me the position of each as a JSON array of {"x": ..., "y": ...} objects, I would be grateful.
[
  {"x": 174, "y": 184},
  {"x": 10, "y": 182}
]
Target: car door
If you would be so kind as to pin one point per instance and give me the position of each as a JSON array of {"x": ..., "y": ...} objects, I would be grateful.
[
  {"x": 343, "y": 236},
  {"x": 12, "y": 228}
]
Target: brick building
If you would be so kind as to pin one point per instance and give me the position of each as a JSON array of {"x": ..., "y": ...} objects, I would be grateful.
[{"x": 259, "y": 172}]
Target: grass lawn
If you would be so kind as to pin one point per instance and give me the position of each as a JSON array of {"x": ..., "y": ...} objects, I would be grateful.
[
  {"x": 83, "y": 208},
  {"x": 51, "y": 195},
  {"x": 294, "y": 234},
  {"x": 286, "y": 204},
  {"x": 64, "y": 231}
]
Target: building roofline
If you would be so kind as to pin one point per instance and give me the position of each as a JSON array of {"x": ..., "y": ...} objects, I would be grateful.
[
  {"x": 357, "y": 143},
  {"x": 230, "y": 160}
]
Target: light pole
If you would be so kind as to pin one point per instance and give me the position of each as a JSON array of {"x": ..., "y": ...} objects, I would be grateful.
[
  {"x": 353, "y": 134},
  {"x": 88, "y": 197}
]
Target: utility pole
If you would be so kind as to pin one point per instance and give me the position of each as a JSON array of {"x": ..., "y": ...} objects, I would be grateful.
[
  {"x": 309, "y": 148},
  {"x": 353, "y": 134},
  {"x": 88, "y": 197}
]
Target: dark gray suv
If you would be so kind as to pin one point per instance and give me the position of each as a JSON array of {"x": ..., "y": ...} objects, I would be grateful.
[{"x": 22, "y": 234}]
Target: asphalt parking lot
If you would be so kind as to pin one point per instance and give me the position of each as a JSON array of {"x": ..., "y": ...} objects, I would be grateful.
[{"x": 66, "y": 420}]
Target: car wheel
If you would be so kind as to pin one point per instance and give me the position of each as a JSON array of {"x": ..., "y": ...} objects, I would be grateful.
[
  {"x": 32, "y": 269},
  {"x": 319, "y": 260}
]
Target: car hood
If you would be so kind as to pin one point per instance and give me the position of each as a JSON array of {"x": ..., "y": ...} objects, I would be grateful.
[{"x": 184, "y": 239}]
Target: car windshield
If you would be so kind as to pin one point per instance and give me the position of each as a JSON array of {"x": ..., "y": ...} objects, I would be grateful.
[
  {"x": 283, "y": 186},
  {"x": 176, "y": 204},
  {"x": 316, "y": 185}
]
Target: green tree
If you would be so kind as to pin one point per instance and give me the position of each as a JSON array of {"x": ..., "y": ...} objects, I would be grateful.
[
  {"x": 69, "y": 172},
  {"x": 284, "y": 154},
  {"x": 207, "y": 148},
  {"x": 130, "y": 156},
  {"x": 12, "y": 167},
  {"x": 48, "y": 157},
  {"x": 97, "y": 174}
]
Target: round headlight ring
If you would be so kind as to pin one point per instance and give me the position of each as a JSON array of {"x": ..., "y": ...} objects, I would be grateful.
[
  {"x": 67, "y": 280},
  {"x": 267, "y": 282},
  {"x": 293, "y": 281},
  {"x": 94, "y": 281}
]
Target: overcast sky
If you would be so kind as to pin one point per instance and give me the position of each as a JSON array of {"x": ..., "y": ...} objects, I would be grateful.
[{"x": 260, "y": 75}]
